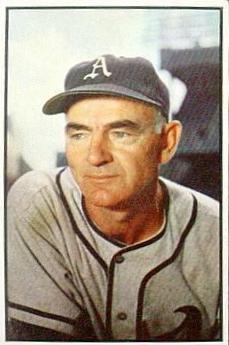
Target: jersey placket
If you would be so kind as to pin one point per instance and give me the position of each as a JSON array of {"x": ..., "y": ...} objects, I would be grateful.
[
  {"x": 121, "y": 316},
  {"x": 123, "y": 291}
]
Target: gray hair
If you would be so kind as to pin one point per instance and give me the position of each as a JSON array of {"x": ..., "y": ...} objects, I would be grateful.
[{"x": 159, "y": 122}]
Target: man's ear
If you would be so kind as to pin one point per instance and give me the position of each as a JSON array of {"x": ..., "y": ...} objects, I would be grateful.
[{"x": 170, "y": 139}]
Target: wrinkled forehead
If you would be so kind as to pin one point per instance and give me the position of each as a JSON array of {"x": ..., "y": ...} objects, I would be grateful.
[{"x": 104, "y": 108}]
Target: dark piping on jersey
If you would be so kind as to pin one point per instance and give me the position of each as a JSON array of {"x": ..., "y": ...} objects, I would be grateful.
[
  {"x": 74, "y": 225},
  {"x": 112, "y": 266},
  {"x": 167, "y": 262},
  {"x": 42, "y": 314}
]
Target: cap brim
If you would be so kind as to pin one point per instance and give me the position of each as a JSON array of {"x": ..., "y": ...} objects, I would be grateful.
[{"x": 60, "y": 102}]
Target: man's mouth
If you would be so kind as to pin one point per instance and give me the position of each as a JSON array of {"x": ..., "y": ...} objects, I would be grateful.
[{"x": 100, "y": 177}]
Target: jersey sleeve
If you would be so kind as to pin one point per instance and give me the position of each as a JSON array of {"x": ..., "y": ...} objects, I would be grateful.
[{"x": 40, "y": 289}]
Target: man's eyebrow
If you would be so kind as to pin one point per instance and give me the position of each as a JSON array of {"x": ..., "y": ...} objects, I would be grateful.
[
  {"x": 76, "y": 126},
  {"x": 124, "y": 123},
  {"x": 111, "y": 125}
]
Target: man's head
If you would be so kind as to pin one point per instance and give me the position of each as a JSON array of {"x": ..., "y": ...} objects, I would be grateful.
[
  {"x": 116, "y": 140},
  {"x": 134, "y": 78}
]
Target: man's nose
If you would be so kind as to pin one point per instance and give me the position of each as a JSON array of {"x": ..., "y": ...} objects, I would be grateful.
[{"x": 99, "y": 153}]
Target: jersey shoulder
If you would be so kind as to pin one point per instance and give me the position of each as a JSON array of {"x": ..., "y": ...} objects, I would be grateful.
[
  {"x": 207, "y": 206},
  {"x": 28, "y": 186},
  {"x": 200, "y": 249}
]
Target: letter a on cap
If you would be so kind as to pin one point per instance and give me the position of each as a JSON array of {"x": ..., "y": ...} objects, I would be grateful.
[{"x": 100, "y": 63}]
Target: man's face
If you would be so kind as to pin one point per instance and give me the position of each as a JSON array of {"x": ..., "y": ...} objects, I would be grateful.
[{"x": 112, "y": 149}]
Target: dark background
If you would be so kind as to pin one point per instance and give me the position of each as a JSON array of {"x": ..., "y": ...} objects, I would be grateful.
[{"x": 197, "y": 163}]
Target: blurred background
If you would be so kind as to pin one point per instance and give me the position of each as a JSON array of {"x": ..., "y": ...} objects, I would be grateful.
[{"x": 183, "y": 44}]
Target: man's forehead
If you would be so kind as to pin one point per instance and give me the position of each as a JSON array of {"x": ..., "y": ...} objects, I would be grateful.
[
  {"x": 104, "y": 110},
  {"x": 92, "y": 102}
]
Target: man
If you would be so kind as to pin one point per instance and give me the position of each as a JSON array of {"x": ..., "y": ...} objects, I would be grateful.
[{"x": 104, "y": 249}]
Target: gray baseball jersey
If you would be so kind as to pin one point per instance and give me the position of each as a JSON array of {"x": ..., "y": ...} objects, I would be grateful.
[{"x": 66, "y": 275}]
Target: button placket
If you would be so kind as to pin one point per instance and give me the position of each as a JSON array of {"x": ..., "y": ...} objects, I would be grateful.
[
  {"x": 122, "y": 323},
  {"x": 127, "y": 277}
]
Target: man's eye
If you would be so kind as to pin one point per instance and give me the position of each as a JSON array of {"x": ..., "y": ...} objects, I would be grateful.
[
  {"x": 121, "y": 134},
  {"x": 78, "y": 136}
]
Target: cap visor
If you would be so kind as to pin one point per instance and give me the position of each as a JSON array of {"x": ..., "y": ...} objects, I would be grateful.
[{"x": 60, "y": 102}]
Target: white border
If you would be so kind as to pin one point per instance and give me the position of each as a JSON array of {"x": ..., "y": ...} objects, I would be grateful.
[
  {"x": 120, "y": 3},
  {"x": 2, "y": 95},
  {"x": 225, "y": 88},
  {"x": 111, "y": 3}
]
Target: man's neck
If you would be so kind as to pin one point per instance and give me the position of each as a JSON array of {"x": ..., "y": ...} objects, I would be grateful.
[{"x": 140, "y": 221}]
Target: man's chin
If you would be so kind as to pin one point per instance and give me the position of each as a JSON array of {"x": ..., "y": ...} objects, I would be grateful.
[{"x": 102, "y": 199}]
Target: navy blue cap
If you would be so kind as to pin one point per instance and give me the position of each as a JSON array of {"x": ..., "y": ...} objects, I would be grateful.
[{"x": 134, "y": 78}]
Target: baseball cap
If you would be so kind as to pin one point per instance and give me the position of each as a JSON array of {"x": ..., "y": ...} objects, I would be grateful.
[{"x": 132, "y": 77}]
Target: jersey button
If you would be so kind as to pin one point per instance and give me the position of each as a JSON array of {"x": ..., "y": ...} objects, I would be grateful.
[
  {"x": 119, "y": 259},
  {"x": 67, "y": 275},
  {"x": 122, "y": 316}
]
